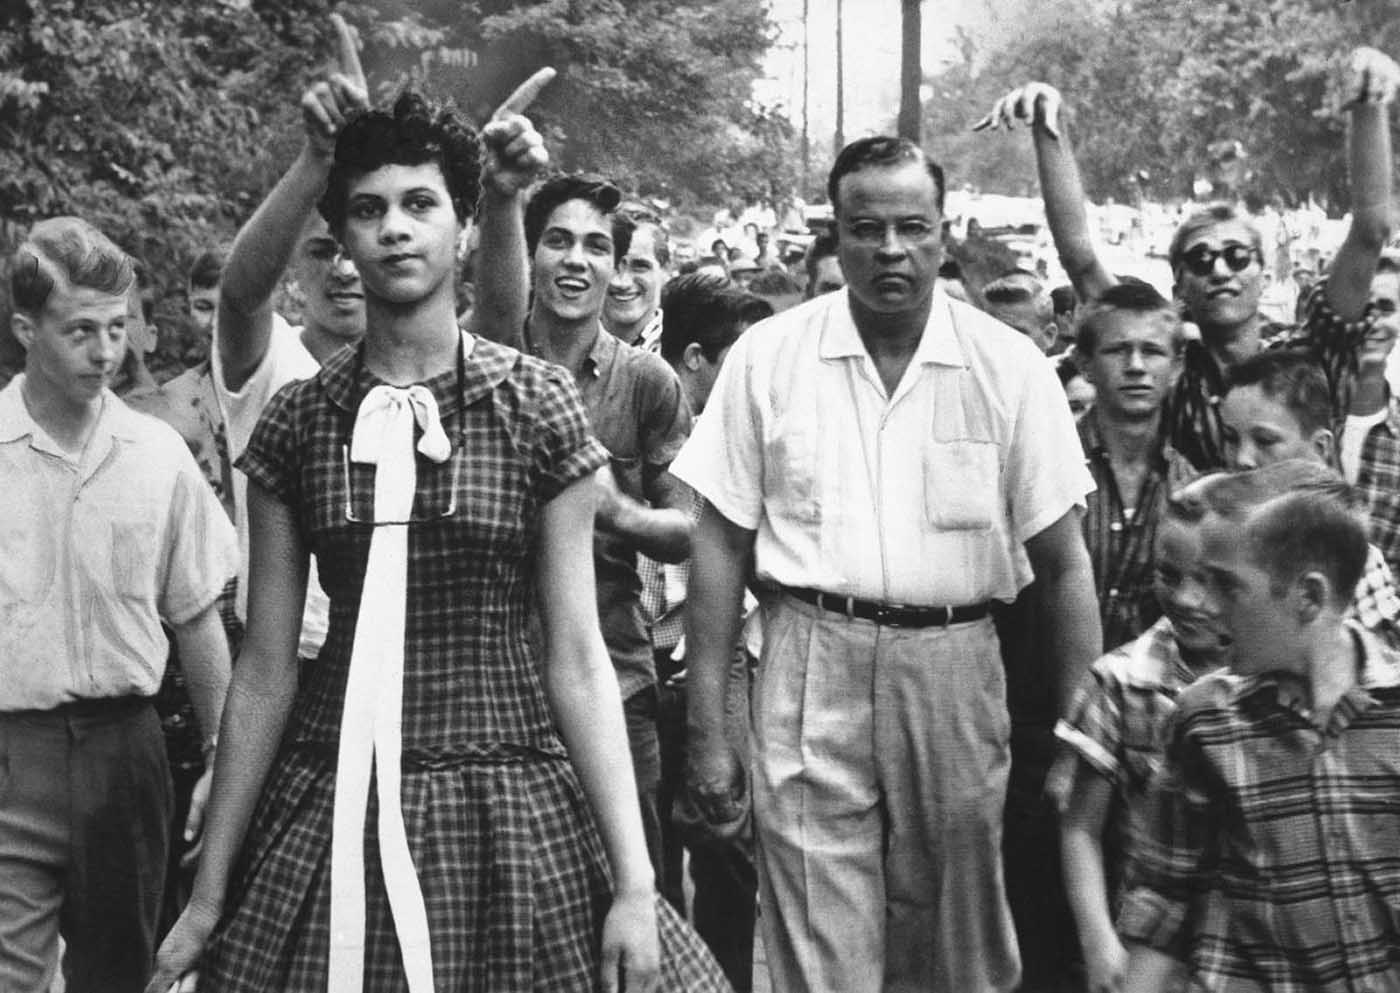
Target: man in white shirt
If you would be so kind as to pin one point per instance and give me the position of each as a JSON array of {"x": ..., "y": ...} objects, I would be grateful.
[
  {"x": 889, "y": 461},
  {"x": 107, "y": 530}
]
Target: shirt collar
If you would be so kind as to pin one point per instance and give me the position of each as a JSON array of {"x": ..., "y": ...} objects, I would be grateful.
[
  {"x": 1392, "y": 416},
  {"x": 1379, "y": 670},
  {"x": 346, "y": 380},
  {"x": 938, "y": 344},
  {"x": 1154, "y": 660},
  {"x": 116, "y": 420},
  {"x": 604, "y": 350}
]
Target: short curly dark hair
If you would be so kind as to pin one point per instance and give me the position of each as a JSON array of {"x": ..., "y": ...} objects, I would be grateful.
[{"x": 415, "y": 132}]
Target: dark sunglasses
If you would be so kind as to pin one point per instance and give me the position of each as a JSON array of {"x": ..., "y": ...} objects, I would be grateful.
[{"x": 1200, "y": 261}]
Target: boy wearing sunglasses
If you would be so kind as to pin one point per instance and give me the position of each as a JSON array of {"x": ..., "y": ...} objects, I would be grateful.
[
  {"x": 1217, "y": 259},
  {"x": 1370, "y": 445}
]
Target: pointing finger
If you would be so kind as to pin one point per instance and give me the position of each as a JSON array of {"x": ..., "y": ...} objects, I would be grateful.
[
  {"x": 348, "y": 52},
  {"x": 525, "y": 93}
]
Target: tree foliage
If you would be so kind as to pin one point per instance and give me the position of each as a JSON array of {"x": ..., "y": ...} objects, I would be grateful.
[
  {"x": 165, "y": 122},
  {"x": 1154, "y": 84}
]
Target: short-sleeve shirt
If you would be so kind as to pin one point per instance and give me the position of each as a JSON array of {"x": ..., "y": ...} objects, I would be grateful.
[
  {"x": 519, "y": 437},
  {"x": 1115, "y": 729},
  {"x": 638, "y": 412},
  {"x": 1191, "y": 424},
  {"x": 285, "y": 361},
  {"x": 1121, "y": 532},
  {"x": 924, "y": 497},
  {"x": 192, "y": 408},
  {"x": 96, "y": 550},
  {"x": 1270, "y": 851}
]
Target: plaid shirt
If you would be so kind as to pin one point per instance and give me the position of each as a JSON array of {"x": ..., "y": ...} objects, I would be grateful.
[
  {"x": 1379, "y": 483},
  {"x": 1271, "y": 856},
  {"x": 1191, "y": 422},
  {"x": 1376, "y": 602},
  {"x": 1120, "y": 544},
  {"x": 1114, "y": 729}
]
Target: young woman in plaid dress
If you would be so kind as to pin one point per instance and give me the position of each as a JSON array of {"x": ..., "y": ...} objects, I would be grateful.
[{"x": 528, "y": 868}]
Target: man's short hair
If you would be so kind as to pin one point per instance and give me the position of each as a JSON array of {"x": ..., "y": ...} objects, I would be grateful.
[
  {"x": 1131, "y": 298},
  {"x": 591, "y": 188},
  {"x": 1063, "y": 299},
  {"x": 880, "y": 151},
  {"x": 71, "y": 251},
  {"x": 413, "y": 132},
  {"x": 706, "y": 309},
  {"x": 1299, "y": 516},
  {"x": 1012, "y": 289},
  {"x": 208, "y": 269},
  {"x": 1209, "y": 215},
  {"x": 774, "y": 283},
  {"x": 823, "y": 246},
  {"x": 1291, "y": 378},
  {"x": 640, "y": 214}
]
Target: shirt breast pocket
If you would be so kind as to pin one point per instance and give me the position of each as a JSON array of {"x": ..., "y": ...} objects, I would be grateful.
[
  {"x": 962, "y": 484},
  {"x": 120, "y": 552},
  {"x": 793, "y": 460}
]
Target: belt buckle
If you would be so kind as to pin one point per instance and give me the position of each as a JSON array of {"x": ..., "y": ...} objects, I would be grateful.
[{"x": 887, "y": 614}]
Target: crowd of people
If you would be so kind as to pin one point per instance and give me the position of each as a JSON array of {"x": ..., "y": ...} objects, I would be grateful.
[{"x": 551, "y": 609}]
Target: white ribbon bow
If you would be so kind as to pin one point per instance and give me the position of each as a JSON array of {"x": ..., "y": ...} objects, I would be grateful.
[{"x": 371, "y": 726}]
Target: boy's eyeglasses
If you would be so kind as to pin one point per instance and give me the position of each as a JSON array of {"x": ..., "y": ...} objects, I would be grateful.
[{"x": 1200, "y": 261}]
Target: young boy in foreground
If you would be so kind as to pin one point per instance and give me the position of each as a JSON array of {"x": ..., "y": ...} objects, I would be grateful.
[
  {"x": 1270, "y": 853},
  {"x": 1112, "y": 739}
]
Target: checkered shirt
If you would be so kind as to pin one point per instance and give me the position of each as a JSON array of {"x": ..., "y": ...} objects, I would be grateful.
[
  {"x": 1376, "y": 602},
  {"x": 513, "y": 873},
  {"x": 1191, "y": 417},
  {"x": 1120, "y": 544},
  {"x": 1114, "y": 729},
  {"x": 1270, "y": 856},
  {"x": 1379, "y": 483}
]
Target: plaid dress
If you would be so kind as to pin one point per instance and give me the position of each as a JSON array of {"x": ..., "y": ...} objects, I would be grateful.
[{"x": 512, "y": 869}]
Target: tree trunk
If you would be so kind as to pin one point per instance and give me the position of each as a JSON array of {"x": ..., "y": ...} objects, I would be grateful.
[{"x": 911, "y": 73}]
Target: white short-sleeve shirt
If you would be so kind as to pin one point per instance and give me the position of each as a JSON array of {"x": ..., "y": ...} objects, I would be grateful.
[
  {"x": 924, "y": 497},
  {"x": 96, "y": 550},
  {"x": 285, "y": 361}
]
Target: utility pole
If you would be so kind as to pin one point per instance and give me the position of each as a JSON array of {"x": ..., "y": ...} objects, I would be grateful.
[
  {"x": 840, "y": 141},
  {"x": 911, "y": 73},
  {"x": 806, "y": 96}
]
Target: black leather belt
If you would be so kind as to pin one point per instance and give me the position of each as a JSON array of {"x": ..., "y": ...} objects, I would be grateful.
[{"x": 894, "y": 615}]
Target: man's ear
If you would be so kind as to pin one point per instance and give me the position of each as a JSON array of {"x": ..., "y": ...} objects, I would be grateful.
[
  {"x": 1313, "y": 593},
  {"x": 692, "y": 357},
  {"x": 1324, "y": 444},
  {"x": 24, "y": 329}
]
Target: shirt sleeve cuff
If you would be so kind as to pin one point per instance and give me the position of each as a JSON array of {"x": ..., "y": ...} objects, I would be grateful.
[{"x": 1151, "y": 919}]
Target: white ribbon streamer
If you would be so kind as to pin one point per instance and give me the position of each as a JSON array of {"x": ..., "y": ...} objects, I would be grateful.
[{"x": 371, "y": 727}]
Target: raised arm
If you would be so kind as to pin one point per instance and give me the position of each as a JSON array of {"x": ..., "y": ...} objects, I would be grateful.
[
  {"x": 1039, "y": 105},
  {"x": 514, "y": 155},
  {"x": 255, "y": 715},
  {"x": 1372, "y": 78},
  {"x": 265, "y": 245}
]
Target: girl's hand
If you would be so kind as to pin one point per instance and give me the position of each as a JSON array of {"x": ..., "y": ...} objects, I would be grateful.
[
  {"x": 631, "y": 948},
  {"x": 181, "y": 950}
]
